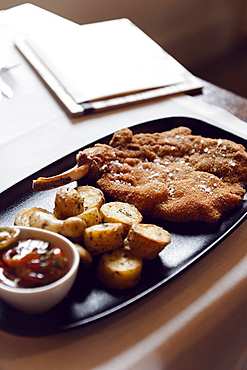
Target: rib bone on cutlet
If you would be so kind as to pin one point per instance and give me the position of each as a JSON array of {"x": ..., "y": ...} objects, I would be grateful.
[{"x": 73, "y": 174}]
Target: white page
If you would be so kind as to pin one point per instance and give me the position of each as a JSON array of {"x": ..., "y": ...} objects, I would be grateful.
[{"x": 105, "y": 59}]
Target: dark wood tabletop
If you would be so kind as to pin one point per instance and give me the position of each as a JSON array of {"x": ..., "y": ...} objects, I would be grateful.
[{"x": 231, "y": 102}]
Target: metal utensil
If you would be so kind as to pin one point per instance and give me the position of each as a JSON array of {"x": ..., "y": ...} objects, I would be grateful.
[
  {"x": 6, "y": 89},
  {"x": 5, "y": 66}
]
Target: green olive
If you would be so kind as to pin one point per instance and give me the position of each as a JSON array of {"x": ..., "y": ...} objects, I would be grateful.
[{"x": 8, "y": 235}]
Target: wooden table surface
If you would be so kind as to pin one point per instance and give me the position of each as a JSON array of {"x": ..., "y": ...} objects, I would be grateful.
[{"x": 233, "y": 103}]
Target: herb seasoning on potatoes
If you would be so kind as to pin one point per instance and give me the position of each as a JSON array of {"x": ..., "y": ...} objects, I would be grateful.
[{"x": 112, "y": 231}]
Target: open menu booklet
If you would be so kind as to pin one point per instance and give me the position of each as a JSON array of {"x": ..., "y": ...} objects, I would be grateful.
[{"x": 104, "y": 65}]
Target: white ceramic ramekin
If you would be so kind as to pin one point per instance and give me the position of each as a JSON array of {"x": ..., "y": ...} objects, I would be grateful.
[{"x": 41, "y": 299}]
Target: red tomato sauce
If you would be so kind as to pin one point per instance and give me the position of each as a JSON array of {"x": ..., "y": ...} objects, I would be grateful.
[{"x": 32, "y": 263}]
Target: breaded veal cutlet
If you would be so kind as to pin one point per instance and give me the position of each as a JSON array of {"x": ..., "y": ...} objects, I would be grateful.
[{"x": 172, "y": 175}]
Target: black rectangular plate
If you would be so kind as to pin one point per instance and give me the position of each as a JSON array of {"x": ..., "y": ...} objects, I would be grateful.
[{"x": 89, "y": 300}]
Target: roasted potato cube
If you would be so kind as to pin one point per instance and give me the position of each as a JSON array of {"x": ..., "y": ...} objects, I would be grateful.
[
  {"x": 85, "y": 257},
  {"x": 72, "y": 227},
  {"x": 46, "y": 221},
  {"x": 125, "y": 213},
  {"x": 68, "y": 202},
  {"x": 92, "y": 197},
  {"x": 22, "y": 217},
  {"x": 146, "y": 240},
  {"x": 103, "y": 237},
  {"x": 119, "y": 269},
  {"x": 91, "y": 216}
]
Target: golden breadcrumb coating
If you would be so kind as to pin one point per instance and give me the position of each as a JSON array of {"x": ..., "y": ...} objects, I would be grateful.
[{"x": 172, "y": 175}]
